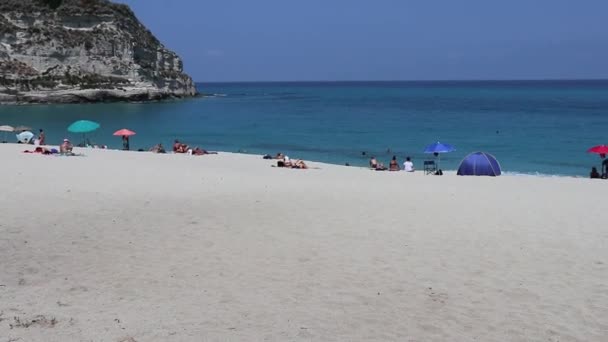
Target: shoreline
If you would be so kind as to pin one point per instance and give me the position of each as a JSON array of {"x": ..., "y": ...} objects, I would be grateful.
[
  {"x": 446, "y": 172},
  {"x": 318, "y": 163}
]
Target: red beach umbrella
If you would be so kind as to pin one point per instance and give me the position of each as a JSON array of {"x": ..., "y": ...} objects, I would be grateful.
[
  {"x": 124, "y": 132},
  {"x": 599, "y": 149}
]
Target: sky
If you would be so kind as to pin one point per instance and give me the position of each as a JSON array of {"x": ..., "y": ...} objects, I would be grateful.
[{"x": 327, "y": 40}]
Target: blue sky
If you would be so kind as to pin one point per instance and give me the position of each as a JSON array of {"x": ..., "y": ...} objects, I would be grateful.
[{"x": 275, "y": 40}]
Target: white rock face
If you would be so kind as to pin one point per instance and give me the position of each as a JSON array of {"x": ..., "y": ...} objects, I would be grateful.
[{"x": 83, "y": 51}]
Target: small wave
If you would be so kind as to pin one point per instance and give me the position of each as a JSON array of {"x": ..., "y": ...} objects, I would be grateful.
[
  {"x": 214, "y": 95},
  {"x": 536, "y": 174}
]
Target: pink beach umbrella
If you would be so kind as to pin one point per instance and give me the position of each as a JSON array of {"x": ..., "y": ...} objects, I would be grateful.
[
  {"x": 124, "y": 132},
  {"x": 602, "y": 150}
]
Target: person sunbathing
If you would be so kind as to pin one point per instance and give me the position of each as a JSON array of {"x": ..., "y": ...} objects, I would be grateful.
[
  {"x": 158, "y": 149},
  {"x": 373, "y": 163},
  {"x": 594, "y": 173},
  {"x": 42, "y": 150},
  {"x": 66, "y": 147},
  {"x": 299, "y": 164},
  {"x": 286, "y": 161},
  {"x": 199, "y": 151},
  {"x": 279, "y": 156},
  {"x": 179, "y": 147},
  {"x": 394, "y": 165}
]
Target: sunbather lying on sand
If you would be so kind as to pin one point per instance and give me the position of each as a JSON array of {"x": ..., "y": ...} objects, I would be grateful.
[
  {"x": 42, "y": 150},
  {"x": 158, "y": 149},
  {"x": 299, "y": 164},
  {"x": 296, "y": 164},
  {"x": 199, "y": 151},
  {"x": 179, "y": 147}
]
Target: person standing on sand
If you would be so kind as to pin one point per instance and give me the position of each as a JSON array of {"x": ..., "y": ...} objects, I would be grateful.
[
  {"x": 605, "y": 167},
  {"x": 41, "y": 138},
  {"x": 125, "y": 143}
]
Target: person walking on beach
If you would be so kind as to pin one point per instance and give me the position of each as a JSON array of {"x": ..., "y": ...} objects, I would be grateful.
[
  {"x": 125, "y": 143},
  {"x": 41, "y": 138}
]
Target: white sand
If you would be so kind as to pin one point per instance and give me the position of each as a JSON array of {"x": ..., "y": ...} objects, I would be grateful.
[{"x": 127, "y": 246}]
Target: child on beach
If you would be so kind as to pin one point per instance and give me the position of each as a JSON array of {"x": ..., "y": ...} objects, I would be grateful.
[
  {"x": 41, "y": 138},
  {"x": 408, "y": 166}
]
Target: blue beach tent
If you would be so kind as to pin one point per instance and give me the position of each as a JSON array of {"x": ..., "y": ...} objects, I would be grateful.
[{"x": 479, "y": 164}]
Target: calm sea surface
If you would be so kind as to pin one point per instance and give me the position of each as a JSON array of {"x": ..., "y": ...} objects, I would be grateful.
[{"x": 531, "y": 127}]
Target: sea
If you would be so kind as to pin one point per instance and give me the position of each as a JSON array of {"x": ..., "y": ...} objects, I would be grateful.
[{"x": 531, "y": 127}]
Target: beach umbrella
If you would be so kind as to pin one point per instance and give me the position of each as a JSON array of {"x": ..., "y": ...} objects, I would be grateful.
[
  {"x": 123, "y": 132},
  {"x": 6, "y": 129},
  {"x": 599, "y": 149},
  {"x": 25, "y": 137},
  {"x": 84, "y": 127},
  {"x": 22, "y": 128},
  {"x": 439, "y": 148}
]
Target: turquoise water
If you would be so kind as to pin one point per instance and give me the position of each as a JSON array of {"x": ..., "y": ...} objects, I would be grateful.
[{"x": 531, "y": 127}]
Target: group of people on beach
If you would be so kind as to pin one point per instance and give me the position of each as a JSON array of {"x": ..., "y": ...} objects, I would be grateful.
[
  {"x": 285, "y": 161},
  {"x": 408, "y": 165},
  {"x": 67, "y": 147},
  {"x": 64, "y": 149},
  {"x": 604, "y": 175},
  {"x": 179, "y": 147}
]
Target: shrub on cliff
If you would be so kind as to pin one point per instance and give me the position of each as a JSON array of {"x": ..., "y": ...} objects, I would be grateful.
[{"x": 52, "y": 3}]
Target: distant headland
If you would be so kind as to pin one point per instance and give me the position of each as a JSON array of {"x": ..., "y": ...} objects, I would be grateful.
[{"x": 74, "y": 51}]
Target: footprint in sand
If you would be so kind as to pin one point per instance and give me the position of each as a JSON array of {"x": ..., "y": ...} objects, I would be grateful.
[{"x": 79, "y": 289}]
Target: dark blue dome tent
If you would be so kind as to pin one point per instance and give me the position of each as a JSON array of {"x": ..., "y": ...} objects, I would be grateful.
[{"x": 479, "y": 164}]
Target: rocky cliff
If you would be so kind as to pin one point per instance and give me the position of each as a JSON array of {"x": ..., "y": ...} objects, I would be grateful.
[{"x": 83, "y": 51}]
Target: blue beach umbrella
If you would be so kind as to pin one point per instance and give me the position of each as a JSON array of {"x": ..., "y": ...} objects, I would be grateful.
[
  {"x": 439, "y": 148},
  {"x": 83, "y": 126}
]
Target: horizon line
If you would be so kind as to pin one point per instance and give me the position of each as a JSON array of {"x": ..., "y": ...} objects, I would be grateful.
[{"x": 417, "y": 81}]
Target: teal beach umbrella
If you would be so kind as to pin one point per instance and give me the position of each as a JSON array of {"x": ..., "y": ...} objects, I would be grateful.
[{"x": 84, "y": 127}]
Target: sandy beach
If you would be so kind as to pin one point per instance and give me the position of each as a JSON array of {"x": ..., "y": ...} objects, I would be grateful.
[{"x": 132, "y": 246}]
